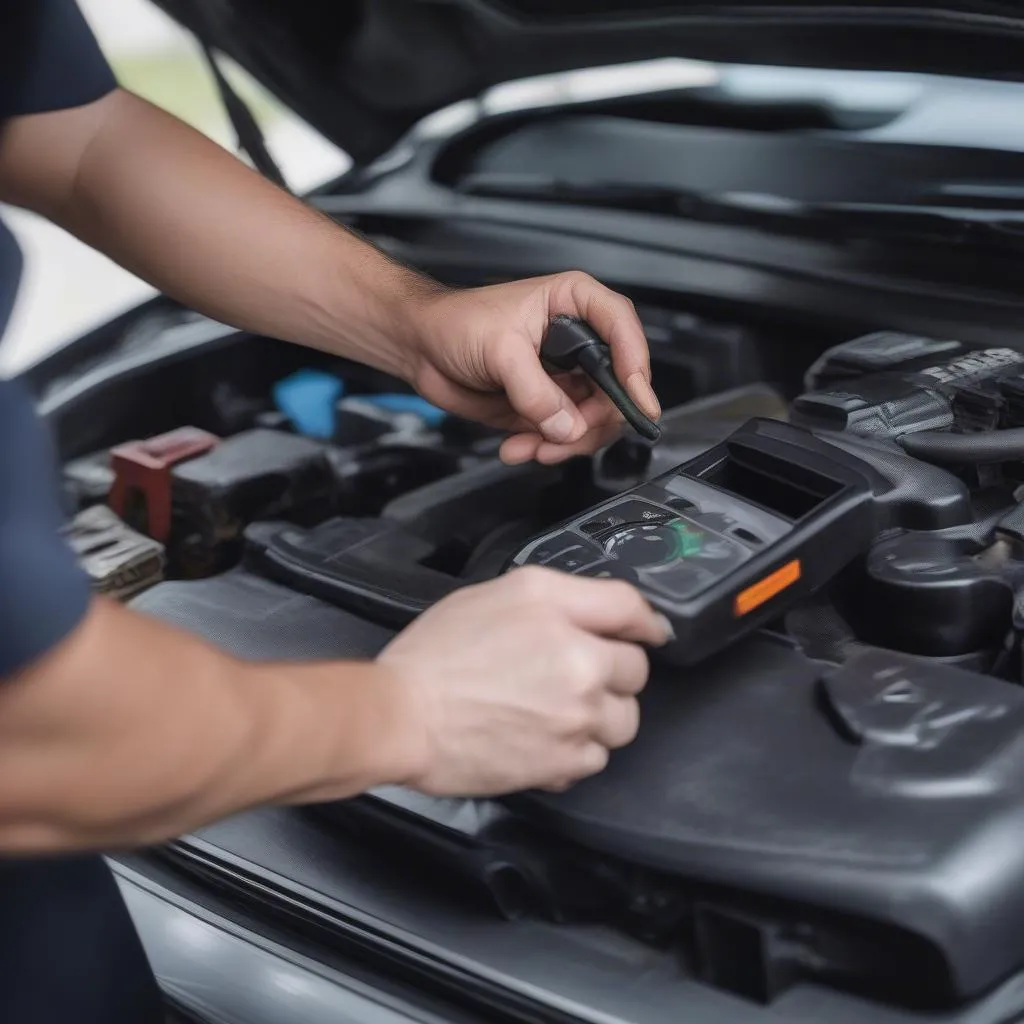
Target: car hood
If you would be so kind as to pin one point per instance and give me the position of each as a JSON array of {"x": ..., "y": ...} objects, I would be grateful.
[{"x": 364, "y": 71}]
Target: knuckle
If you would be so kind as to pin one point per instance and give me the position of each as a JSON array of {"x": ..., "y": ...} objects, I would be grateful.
[
  {"x": 582, "y": 666},
  {"x": 547, "y": 636},
  {"x": 534, "y": 581},
  {"x": 643, "y": 668},
  {"x": 575, "y": 715},
  {"x": 580, "y": 720},
  {"x": 625, "y": 596},
  {"x": 594, "y": 759},
  {"x": 630, "y": 724},
  {"x": 638, "y": 664},
  {"x": 577, "y": 277}
]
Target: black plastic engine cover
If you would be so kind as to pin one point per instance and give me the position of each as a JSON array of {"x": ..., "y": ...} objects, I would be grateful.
[
  {"x": 887, "y": 792},
  {"x": 905, "y": 397},
  {"x": 890, "y": 792},
  {"x": 931, "y": 595}
]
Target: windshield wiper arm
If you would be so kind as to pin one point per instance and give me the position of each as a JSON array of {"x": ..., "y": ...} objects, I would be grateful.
[{"x": 617, "y": 195}]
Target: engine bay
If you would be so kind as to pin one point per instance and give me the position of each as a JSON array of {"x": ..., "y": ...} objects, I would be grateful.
[
  {"x": 312, "y": 473},
  {"x": 811, "y": 801}
]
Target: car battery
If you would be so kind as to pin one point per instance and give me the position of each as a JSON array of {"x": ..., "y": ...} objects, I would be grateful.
[
  {"x": 257, "y": 474},
  {"x": 141, "y": 491},
  {"x": 119, "y": 561}
]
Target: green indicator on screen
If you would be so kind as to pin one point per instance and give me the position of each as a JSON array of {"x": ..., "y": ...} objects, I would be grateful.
[{"x": 689, "y": 543}]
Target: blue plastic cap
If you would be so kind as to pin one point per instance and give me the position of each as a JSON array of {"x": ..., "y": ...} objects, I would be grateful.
[
  {"x": 431, "y": 415},
  {"x": 307, "y": 398}
]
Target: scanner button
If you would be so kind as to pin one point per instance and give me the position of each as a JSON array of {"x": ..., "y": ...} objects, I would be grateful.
[
  {"x": 651, "y": 544},
  {"x": 743, "y": 534},
  {"x": 596, "y": 526},
  {"x": 683, "y": 504},
  {"x": 717, "y": 521},
  {"x": 607, "y": 570},
  {"x": 682, "y": 582},
  {"x": 639, "y": 512},
  {"x": 574, "y": 558},
  {"x": 642, "y": 512},
  {"x": 552, "y": 547}
]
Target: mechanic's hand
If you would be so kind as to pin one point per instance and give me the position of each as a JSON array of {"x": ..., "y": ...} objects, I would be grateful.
[
  {"x": 478, "y": 358},
  {"x": 523, "y": 682}
]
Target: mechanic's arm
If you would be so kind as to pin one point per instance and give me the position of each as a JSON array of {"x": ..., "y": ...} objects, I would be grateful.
[
  {"x": 129, "y": 732},
  {"x": 190, "y": 218}
]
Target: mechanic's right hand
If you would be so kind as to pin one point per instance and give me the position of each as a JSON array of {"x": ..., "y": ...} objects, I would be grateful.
[{"x": 524, "y": 682}]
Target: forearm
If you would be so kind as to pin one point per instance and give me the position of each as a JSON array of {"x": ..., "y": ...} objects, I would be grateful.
[
  {"x": 179, "y": 211},
  {"x": 131, "y": 732}
]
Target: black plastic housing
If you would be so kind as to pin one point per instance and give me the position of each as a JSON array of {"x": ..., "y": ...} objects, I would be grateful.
[
  {"x": 257, "y": 473},
  {"x": 931, "y": 595},
  {"x": 370, "y": 566},
  {"x": 426, "y": 543},
  {"x": 905, "y": 397}
]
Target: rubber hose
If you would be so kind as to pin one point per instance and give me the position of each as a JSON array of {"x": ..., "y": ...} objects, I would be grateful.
[{"x": 951, "y": 449}]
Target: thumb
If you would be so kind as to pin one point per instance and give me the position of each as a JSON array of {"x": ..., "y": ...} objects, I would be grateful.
[{"x": 536, "y": 397}]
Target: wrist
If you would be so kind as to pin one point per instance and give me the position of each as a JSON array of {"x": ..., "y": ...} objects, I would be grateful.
[
  {"x": 335, "y": 730},
  {"x": 402, "y": 749},
  {"x": 416, "y": 316},
  {"x": 389, "y": 328}
]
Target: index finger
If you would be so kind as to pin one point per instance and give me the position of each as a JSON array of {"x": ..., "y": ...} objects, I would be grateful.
[{"x": 608, "y": 608}]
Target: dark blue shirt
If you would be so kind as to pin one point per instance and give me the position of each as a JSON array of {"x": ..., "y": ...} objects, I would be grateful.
[
  {"x": 51, "y": 62},
  {"x": 68, "y": 951}
]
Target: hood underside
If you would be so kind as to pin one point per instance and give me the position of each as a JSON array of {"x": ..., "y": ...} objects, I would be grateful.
[{"x": 364, "y": 71}]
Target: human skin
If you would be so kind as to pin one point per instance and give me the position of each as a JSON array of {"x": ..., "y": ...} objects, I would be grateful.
[{"x": 129, "y": 731}]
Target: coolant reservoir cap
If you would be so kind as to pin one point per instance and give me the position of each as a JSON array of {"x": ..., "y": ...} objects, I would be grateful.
[{"x": 307, "y": 398}]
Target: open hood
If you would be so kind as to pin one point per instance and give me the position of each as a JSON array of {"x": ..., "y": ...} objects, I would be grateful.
[{"x": 364, "y": 71}]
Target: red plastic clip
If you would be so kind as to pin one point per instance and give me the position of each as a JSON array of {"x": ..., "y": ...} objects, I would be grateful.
[{"x": 142, "y": 469}]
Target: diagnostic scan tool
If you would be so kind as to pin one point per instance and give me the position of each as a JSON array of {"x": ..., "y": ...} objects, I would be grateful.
[{"x": 728, "y": 541}]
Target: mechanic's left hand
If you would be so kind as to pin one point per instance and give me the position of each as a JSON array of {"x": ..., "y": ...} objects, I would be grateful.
[{"x": 478, "y": 358}]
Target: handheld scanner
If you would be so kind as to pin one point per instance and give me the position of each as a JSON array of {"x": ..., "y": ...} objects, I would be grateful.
[{"x": 726, "y": 542}]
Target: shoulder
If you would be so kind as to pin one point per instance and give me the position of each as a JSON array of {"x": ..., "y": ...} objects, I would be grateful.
[{"x": 57, "y": 62}]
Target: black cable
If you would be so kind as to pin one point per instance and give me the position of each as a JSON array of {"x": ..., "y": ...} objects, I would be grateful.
[
  {"x": 959, "y": 449},
  {"x": 247, "y": 130},
  {"x": 571, "y": 343},
  {"x": 597, "y": 364}
]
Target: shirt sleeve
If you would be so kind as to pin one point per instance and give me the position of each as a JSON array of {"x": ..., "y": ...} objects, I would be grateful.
[
  {"x": 64, "y": 67},
  {"x": 44, "y": 593}
]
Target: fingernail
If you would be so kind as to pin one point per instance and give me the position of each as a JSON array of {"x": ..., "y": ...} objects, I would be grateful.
[
  {"x": 670, "y": 633},
  {"x": 643, "y": 394},
  {"x": 558, "y": 428}
]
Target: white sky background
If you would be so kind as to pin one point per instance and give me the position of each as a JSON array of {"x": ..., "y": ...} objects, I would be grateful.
[{"x": 68, "y": 288}]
